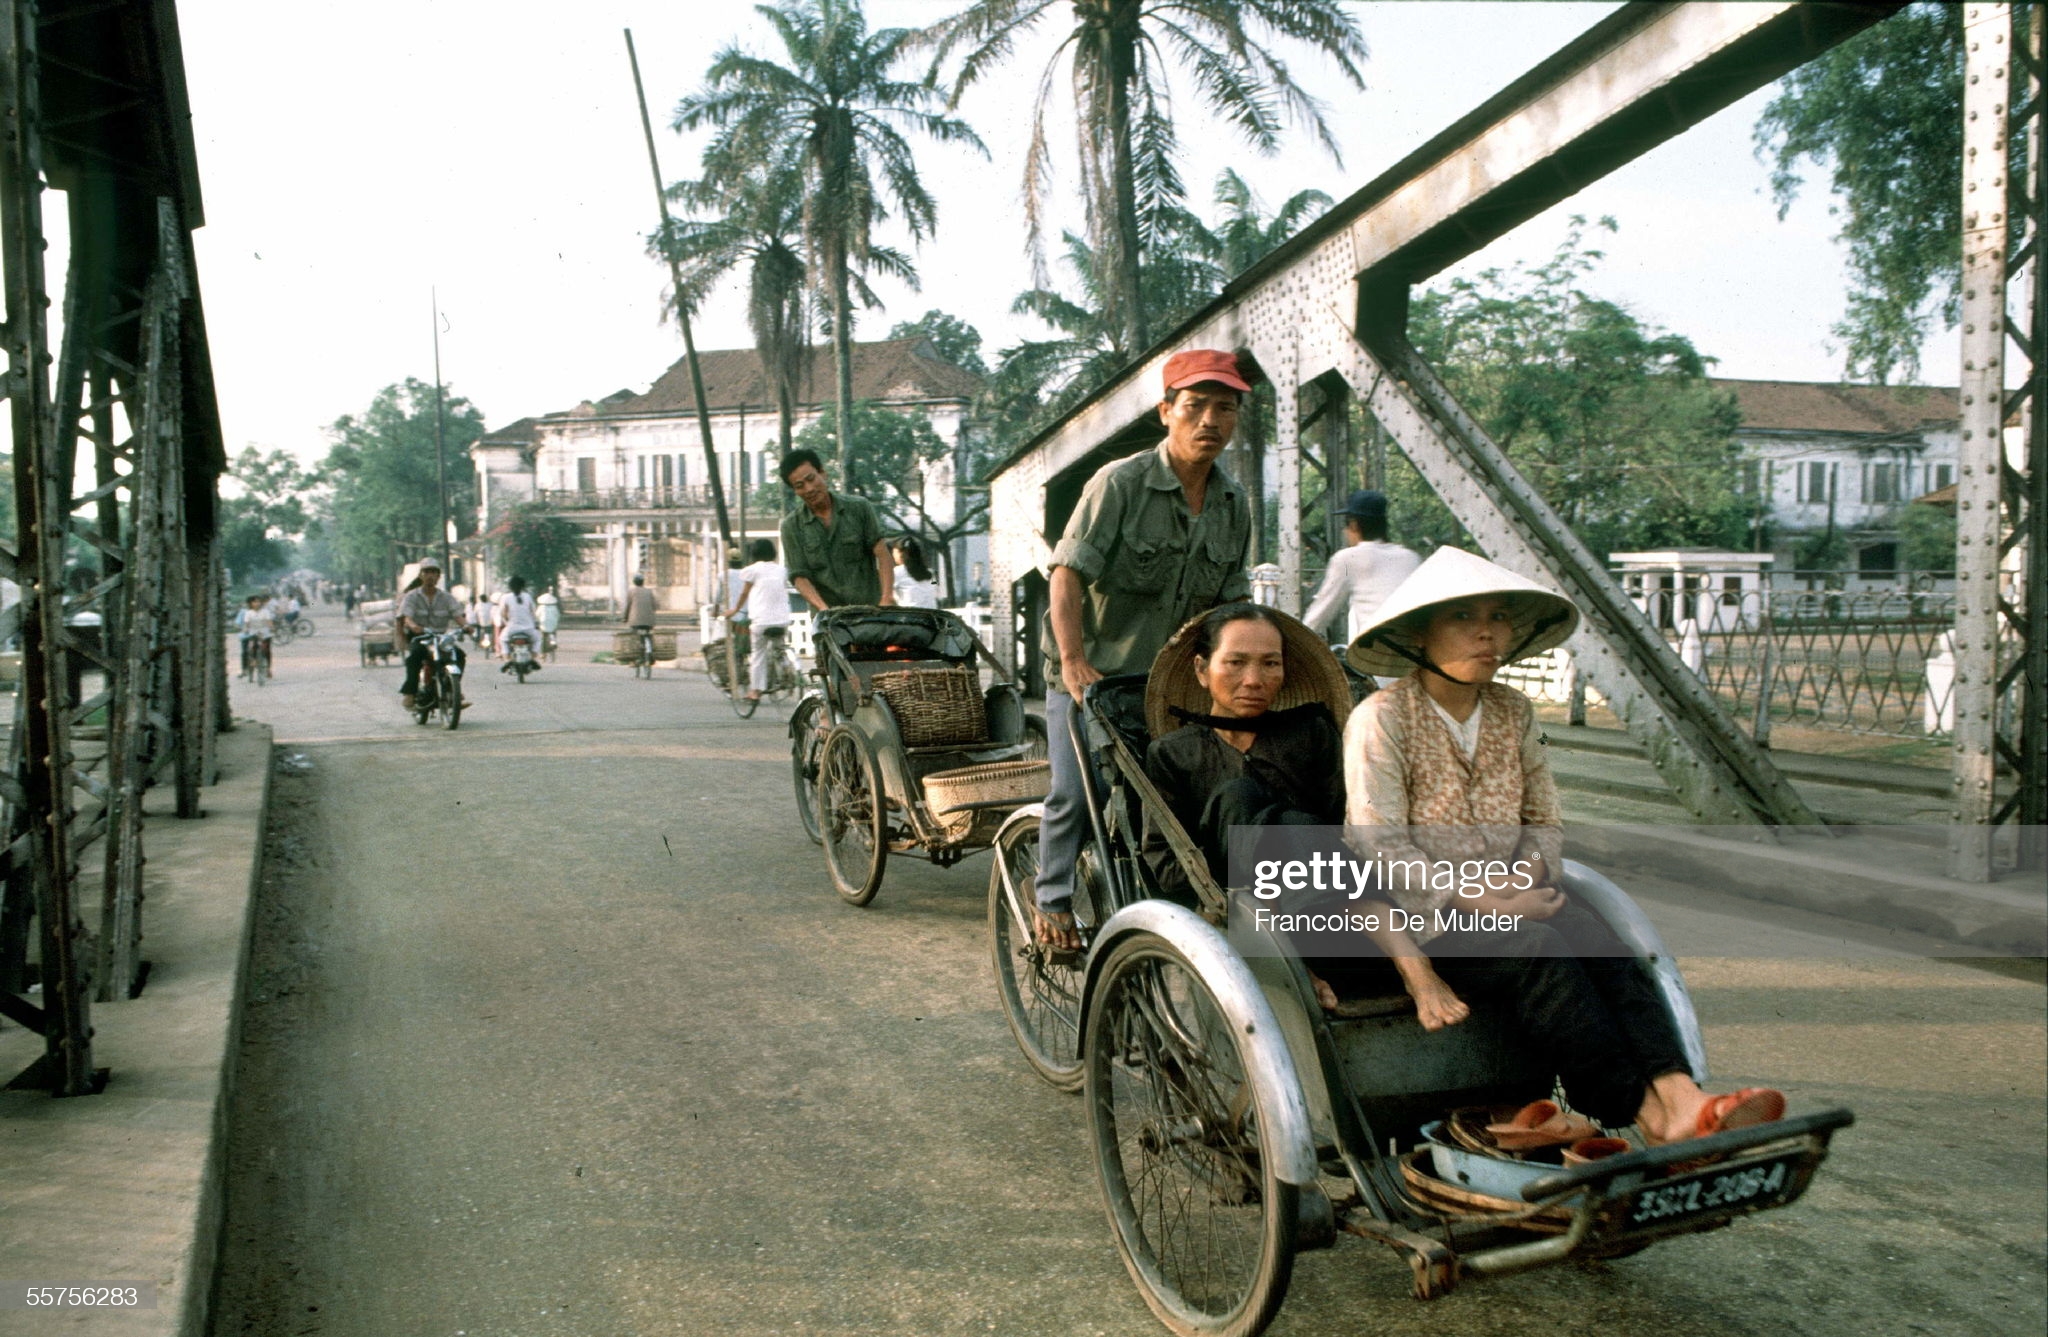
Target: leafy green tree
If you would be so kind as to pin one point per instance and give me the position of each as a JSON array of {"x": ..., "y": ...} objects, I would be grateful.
[
  {"x": 536, "y": 545},
  {"x": 895, "y": 462},
  {"x": 1884, "y": 112},
  {"x": 953, "y": 338},
  {"x": 385, "y": 481},
  {"x": 753, "y": 216},
  {"x": 265, "y": 514},
  {"x": 835, "y": 115},
  {"x": 1613, "y": 421},
  {"x": 1927, "y": 539},
  {"x": 1118, "y": 53}
]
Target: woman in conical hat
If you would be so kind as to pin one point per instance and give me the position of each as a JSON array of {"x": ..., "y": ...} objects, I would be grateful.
[
  {"x": 1243, "y": 705},
  {"x": 1446, "y": 781}
]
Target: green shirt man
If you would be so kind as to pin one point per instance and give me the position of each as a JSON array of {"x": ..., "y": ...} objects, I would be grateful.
[{"x": 832, "y": 544}]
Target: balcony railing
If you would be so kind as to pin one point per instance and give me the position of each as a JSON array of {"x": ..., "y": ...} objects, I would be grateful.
[{"x": 625, "y": 498}]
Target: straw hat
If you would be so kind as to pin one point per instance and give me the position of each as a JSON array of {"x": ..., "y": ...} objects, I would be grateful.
[
  {"x": 1313, "y": 674},
  {"x": 1543, "y": 619}
]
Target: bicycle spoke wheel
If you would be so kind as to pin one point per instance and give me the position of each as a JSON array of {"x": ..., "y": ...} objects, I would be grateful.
[
  {"x": 851, "y": 816},
  {"x": 1040, "y": 989},
  {"x": 804, "y": 746},
  {"x": 1204, "y": 1225}
]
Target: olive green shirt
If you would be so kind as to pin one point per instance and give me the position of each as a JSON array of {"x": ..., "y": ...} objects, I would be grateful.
[
  {"x": 1147, "y": 564},
  {"x": 839, "y": 560}
]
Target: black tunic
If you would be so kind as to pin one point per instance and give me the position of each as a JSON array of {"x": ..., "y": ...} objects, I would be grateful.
[{"x": 1296, "y": 770}]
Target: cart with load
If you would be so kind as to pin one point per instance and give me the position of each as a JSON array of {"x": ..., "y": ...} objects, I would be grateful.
[
  {"x": 1235, "y": 1123},
  {"x": 901, "y": 749},
  {"x": 376, "y": 638}
]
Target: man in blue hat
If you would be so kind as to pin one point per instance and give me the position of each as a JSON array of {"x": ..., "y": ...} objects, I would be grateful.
[{"x": 1368, "y": 569}]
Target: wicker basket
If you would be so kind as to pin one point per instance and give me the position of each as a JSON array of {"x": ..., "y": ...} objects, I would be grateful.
[
  {"x": 1016, "y": 782},
  {"x": 626, "y": 646},
  {"x": 936, "y": 707}
]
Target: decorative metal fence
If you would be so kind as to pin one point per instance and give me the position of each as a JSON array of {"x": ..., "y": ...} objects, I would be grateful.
[{"x": 1867, "y": 663}]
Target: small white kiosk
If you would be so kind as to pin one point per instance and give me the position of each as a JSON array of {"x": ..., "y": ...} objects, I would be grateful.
[{"x": 1720, "y": 591}]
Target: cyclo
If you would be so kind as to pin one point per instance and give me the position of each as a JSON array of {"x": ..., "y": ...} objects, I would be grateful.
[
  {"x": 901, "y": 750},
  {"x": 1234, "y": 1123}
]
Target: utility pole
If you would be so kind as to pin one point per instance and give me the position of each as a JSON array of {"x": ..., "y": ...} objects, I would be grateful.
[
  {"x": 440, "y": 441},
  {"x": 675, "y": 272}
]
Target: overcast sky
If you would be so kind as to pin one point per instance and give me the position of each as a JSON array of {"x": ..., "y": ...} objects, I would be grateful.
[{"x": 355, "y": 156}]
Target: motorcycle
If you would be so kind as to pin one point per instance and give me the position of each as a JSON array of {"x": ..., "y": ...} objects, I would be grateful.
[
  {"x": 440, "y": 685},
  {"x": 519, "y": 654}
]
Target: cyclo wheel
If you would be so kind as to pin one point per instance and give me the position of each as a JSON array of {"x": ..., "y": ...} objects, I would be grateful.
[
  {"x": 1040, "y": 989},
  {"x": 1203, "y": 1222},
  {"x": 305, "y": 628},
  {"x": 804, "y": 749},
  {"x": 851, "y": 815}
]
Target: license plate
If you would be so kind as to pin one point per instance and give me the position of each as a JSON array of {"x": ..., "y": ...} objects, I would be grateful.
[{"x": 1718, "y": 1189}]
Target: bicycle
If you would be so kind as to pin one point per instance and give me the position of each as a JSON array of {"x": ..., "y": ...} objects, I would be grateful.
[
  {"x": 643, "y": 667},
  {"x": 256, "y": 659}
]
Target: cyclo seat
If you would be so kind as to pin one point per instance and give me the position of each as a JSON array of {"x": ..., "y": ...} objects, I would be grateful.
[
  {"x": 1115, "y": 706},
  {"x": 864, "y": 633}
]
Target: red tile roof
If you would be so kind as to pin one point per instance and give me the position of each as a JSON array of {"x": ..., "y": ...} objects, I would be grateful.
[
  {"x": 733, "y": 377},
  {"x": 1812, "y": 406}
]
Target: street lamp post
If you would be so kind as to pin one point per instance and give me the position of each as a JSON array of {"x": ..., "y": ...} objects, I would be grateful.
[{"x": 440, "y": 443}]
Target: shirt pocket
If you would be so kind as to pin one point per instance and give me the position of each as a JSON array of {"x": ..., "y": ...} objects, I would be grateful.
[
  {"x": 1142, "y": 566},
  {"x": 1213, "y": 562}
]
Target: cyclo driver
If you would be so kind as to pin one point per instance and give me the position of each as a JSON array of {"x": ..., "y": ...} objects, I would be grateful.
[
  {"x": 1157, "y": 538},
  {"x": 428, "y": 608}
]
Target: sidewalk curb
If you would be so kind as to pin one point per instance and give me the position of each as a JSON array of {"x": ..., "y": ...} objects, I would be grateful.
[
  {"x": 129, "y": 1184},
  {"x": 1994, "y": 917}
]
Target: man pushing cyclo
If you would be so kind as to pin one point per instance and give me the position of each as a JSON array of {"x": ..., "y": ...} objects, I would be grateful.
[{"x": 1160, "y": 538}]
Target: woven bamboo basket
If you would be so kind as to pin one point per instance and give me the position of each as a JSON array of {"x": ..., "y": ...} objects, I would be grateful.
[
  {"x": 936, "y": 707},
  {"x": 626, "y": 646},
  {"x": 1016, "y": 782}
]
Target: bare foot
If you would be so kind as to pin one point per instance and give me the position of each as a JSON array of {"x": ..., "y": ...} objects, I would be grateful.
[
  {"x": 1056, "y": 929},
  {"x": 1436, "y": 1006},
  {"x": 1325, "y": 995}
]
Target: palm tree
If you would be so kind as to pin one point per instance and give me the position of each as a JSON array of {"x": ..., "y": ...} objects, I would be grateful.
[
  {"x": 1243, "y": 236},
  {"x": 752, "y": 217},
  {"x": 835, "y": 114},
  {"x": 1119, "y": 52}
]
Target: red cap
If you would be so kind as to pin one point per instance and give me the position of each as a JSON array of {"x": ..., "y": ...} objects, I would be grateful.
[{"x": 1195, "y": 365}]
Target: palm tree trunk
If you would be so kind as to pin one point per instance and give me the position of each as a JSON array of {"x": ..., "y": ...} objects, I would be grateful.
[
  {"x": 1120, "y": 36},
  {"x": 842, "y": 356}
]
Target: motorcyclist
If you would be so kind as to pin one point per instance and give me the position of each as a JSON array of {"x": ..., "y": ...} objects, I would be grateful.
[
  {"x": 517, "y": 618},
  {"x": 423, "y": 609}
]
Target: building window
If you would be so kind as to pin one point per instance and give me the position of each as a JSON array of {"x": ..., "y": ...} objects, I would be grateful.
[
  {"x": 586, "y": 473},
  {"x": 1813, "y": 482},
  {"x": 1879, "y": 559},
  {"x": 1881, "y": 484},
  {"x": 1940, "y": 476}
]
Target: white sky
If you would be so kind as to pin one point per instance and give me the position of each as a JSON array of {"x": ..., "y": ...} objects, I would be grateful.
[{"x": 356, "y": 155}]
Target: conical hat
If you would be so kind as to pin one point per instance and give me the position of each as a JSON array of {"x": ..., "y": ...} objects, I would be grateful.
[
  {"x": 1313, "y": 674},
  {"x": 1543, "y": 619}
]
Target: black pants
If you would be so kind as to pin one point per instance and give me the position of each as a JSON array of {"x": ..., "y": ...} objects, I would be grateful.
[
  {"x": 1578, "y": 1000},
  {"x": 415, "y": 659}
]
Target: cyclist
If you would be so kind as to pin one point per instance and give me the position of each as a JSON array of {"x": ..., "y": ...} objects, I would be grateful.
[
  {"x": 549, "y": 609},
  {"x": 257, "y": 623},
  {"x": 640, "y": 616},
  {"x": 516, "y": 617},
  {"x": 764, "y": 600}
]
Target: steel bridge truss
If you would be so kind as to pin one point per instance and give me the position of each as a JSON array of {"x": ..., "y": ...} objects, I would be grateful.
[
  {"x": 1326, "y": 318},
  {"x": 122, "y": 677}
]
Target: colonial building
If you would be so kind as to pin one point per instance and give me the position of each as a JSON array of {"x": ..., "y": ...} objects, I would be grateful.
[
  {"x": 629, "y": 469},
  {"x": 1846, "y": 457}
]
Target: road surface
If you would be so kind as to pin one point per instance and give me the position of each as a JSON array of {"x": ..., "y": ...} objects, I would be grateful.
[{"x": 556, "y": 1027}]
